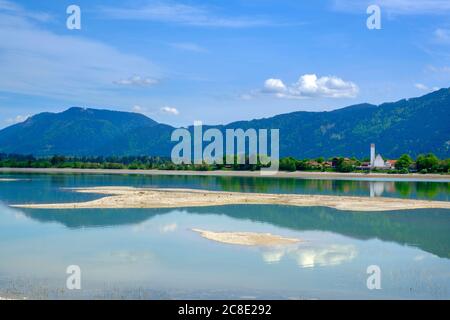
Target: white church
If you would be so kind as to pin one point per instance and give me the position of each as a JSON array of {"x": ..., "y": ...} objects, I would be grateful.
[{"x": 377, "y": 161}]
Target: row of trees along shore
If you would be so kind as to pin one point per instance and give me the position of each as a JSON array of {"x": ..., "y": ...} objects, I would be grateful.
[{"x": 426, "y": 163}]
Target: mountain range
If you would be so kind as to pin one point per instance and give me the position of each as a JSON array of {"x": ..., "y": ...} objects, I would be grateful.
[{"x": 413, "y": 126}]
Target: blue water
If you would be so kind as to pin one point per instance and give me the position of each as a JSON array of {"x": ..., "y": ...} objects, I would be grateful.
[{"x": 154, "y": 254}]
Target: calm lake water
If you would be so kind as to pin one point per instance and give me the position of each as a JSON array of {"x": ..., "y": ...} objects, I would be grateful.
[{"x": 153, "y": 254}]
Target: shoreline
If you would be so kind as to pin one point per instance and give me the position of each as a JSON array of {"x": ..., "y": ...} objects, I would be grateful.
[
  {"x": 143, "y": 198},
  {"x": 251, "y": 174}
]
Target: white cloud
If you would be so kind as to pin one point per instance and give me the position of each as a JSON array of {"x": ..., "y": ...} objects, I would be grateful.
[
  {"x": 35, "y": 61},
  {"x": 274, "y": 85},
  {"x": 150, "y": 227},
  {"x": 434, "y": 69},
  {"x": 181, "y": 14},
  {"x": 168, "y": 228},
  {"x": 138, "y": 109},
  {"x": 153, "y": 111},
  {"x": 17, "y": 119},
  {"x": 13, "y": 8},
  {"x": 442, "y": 35},
  {"x": 310, "y": 257},
  {"x": 419, "y": 257},
  {"x": 399, "y": 7},
  {"x": 137, "y": 81},
  {"x": 188, "y": 46},
  {"x": 311, "y": 86},
  {"x": 170, "y": 110},
  {"x": 423, "y": 87},
  {"x": 247, "y": 96}
]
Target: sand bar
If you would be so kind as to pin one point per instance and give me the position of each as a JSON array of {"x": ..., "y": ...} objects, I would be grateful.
[
  {"x": 128, "y": 197},
  {"x": 246, "y": 238},
  {"x": 254, "y": 174}
]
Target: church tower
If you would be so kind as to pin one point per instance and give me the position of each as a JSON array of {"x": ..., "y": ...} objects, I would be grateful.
[{"x": 372, "y": 155}]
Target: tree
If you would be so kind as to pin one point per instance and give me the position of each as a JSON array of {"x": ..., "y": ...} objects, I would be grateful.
[
  {"x": 343, "y": 165},
  {"x": 320, "y": 160},
  {"x": 56, "y": 160},
  {"x": 302, "y": 165},
  {"x": 445, "y": 165},
  {"x": 404, "y": 162},
  {"x": 288, "y": 164},
  {"x": 427, "y": 162}
]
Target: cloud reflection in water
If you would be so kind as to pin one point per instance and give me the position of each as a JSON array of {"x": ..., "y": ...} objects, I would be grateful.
[{"x": 310, "y": 257}]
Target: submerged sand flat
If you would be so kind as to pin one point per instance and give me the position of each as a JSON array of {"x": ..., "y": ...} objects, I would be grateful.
[
  {"x": 128, "y": 198},
  {"x": 246, "y": 238}
]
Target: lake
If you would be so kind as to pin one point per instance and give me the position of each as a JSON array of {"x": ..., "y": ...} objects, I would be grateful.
[{"x": 154, "y": 254}]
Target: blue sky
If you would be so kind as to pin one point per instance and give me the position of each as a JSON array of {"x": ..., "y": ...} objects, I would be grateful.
[{"x": 218, "y": 61}]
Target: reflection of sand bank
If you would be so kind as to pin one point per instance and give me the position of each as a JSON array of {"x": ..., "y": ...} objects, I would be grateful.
[
  {"x": 277, "y": 247},
  {"x": 127, "y": 197},
  {"x": 246, "y": 238},
  {"x": 309, "y": 257}
]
